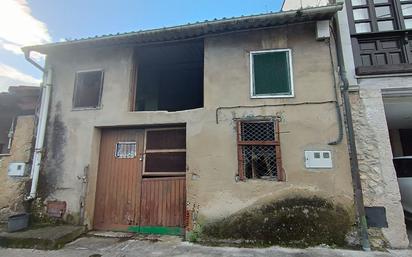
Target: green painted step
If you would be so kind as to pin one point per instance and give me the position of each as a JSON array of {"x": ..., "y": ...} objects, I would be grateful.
[{"x": 174, "y": 231}]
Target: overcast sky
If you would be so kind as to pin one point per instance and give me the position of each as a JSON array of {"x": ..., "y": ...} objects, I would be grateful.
[{"x": 32, "y": 22}]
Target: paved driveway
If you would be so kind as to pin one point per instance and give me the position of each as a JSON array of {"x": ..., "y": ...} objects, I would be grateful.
[{"x": 96, "y": 247}]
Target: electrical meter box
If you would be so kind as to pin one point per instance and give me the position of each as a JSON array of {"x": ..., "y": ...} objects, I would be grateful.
[
  {"x": 322, "y": 29},
  {"x": 17, "y": 169},
  {"x": 318, "y": 159}
]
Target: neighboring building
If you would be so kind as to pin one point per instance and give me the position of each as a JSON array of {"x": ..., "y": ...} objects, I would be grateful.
[
  {"x": 376, "y": 52},
  {"x": 213, "y": 118},
  {"x": 17, "y": 121}
]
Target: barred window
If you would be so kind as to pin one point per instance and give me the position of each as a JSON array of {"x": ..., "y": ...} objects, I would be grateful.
[
  {"x": 259, "y": 150},
  {"x": 125, "y": 150}
]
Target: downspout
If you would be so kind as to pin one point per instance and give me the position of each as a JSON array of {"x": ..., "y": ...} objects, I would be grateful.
[
  {"x": 41, "y": 126},
  {"x": 357, "y": 186},
  {"x": 337, "y": 107},
  {"x": 354, "y": 166}
]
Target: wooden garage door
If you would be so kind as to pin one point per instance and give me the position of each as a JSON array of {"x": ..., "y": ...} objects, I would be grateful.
[
  {"x": 141, "y": 179},
  {"x": 118, "y": 189}
]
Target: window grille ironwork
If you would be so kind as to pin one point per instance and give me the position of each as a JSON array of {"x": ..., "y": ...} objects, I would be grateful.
[
  {"x": 259, "y": 150},
  {"x": 125, "y": 150}
]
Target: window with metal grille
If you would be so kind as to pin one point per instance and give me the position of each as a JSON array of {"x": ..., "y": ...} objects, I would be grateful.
[
  {"x": 165, "y": 152},
  {"x": 125, "y": 150},
  {"x": 259, "y": 150}
]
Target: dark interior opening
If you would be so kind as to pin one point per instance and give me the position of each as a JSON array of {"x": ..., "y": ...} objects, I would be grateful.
[{"x": 170, "y": 77}]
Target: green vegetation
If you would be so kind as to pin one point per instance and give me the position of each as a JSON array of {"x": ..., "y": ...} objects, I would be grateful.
[{"x": 298, "y": 221}]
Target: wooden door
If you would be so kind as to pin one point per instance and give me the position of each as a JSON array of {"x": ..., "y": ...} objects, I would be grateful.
[
  {"x": 163, "y": 196},
  {"x": 118, "y": 191},
  {"x": 163, "y": 202}
]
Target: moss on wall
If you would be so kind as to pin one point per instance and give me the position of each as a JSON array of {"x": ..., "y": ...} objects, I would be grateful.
[{"x": 295, "y": 221}]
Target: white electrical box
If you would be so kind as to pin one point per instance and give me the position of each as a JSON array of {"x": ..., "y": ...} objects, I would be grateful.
[
  {"x": 17, "y": 169},
  {"x": 322, "y": 30},
  {"x": 318, "y": 159}
]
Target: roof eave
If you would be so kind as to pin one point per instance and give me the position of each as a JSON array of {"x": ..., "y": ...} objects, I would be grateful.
[{"x": 201, "y": 29}]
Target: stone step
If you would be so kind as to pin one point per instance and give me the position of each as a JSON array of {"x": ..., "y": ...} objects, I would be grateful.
[{"x": 45, "y": 238}]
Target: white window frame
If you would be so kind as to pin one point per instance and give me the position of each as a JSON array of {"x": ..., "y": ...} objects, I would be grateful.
[
  {"x": 99, "y": 106},
  {"x": 252, "y": 75}
]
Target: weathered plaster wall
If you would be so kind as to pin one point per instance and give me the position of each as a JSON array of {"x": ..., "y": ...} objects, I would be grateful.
[
  {"x": 12, "y": 188},
  {"x": 73, "y": 136},
  {"x": 380, "y": 186}
]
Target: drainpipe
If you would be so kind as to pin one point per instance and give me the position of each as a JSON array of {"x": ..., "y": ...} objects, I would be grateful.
[
  {"x": 41, "y": 125},
  {"x": 357, "y": 186},
  {"x": 354, "y": 166},
  {"x": 10, "y": 134},
  {"x": 337, "y": 107}
]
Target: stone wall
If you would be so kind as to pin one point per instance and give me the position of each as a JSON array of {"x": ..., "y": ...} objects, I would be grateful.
[
  {"x": 379, "y": 183},
  {"x": 12, "y": 189}
]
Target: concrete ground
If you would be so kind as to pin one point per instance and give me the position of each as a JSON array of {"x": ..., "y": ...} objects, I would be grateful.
[{"x": 172, "y": 246}]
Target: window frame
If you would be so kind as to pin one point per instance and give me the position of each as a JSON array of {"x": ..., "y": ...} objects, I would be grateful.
[
  {"x": 128, "y": 143},
  {"x": 280, "y": 176},
  {"x": 145, "y": 151},
  {"x": 252, "y": 74},
  {"x": 373, "y": 20},
  {"x": 402, "y": 17},
  {"x": 99, "y": 105},
  {"x": 399, "y": 33}
]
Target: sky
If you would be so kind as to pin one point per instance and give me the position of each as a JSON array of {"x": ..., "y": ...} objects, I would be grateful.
[{"x": 33, "y": 22}]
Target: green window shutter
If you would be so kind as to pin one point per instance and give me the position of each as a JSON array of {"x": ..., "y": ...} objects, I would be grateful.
[{"x": 271, "y": 74}]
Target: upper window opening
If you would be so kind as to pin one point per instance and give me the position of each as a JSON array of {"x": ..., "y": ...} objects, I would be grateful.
[
  {"x": 373, "y": 15},
  {"x": 271, "y": 73},
  {"x": 381, "y": 15},
  {"x": 87, "y": 91},
  {"x": 169, "y": 77},
  {"x": 380, "y": 35},
  {"x": 406, "y": 7}
]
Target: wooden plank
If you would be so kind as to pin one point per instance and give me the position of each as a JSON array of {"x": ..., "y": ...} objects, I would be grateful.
[{"x": 163, "y": 200}]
